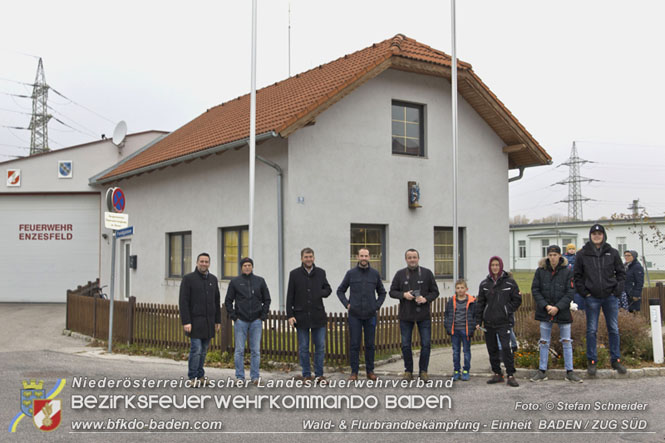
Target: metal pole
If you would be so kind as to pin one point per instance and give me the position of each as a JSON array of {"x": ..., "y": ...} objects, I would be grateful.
[
  {"x": 644, "y": 257},
  {"x": 252, "y": 135},
  {"x": 111, "y": 292},
  {"x": 289, "y": 39},
  {"x": 453, "y": 75}
]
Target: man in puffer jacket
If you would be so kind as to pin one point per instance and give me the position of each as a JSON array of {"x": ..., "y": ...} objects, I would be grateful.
[
  {"x": 634, "y": 281},
  {"x": 498, "y": 298},
  {"x": 599, "y": 277},
  {"x": 552, "y": 291}
]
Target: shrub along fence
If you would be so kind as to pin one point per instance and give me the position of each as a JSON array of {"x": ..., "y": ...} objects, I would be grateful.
[{"x": 159, "y": 325}]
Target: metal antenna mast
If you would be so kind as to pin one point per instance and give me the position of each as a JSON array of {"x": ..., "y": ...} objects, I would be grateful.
[
  {"x": 574, "y": 182},
  {"x": 40, "y": 117}
]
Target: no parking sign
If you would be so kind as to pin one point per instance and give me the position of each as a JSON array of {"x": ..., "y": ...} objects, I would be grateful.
[{"x": 115, "y": 200}]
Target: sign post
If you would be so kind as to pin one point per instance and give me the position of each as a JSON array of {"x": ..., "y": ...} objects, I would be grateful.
[{"x": 114, "y": 220}]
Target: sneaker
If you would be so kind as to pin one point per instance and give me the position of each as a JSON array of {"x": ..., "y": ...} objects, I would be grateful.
[
  {"x": 456, "y": 376},
  {"x": 465, "y": 376},
  {"x": 255, "y": 382},
  {"x": 539, "y": 376},
  {"x": 423, "y": 376},
  {"x": 353, "y": 377},
  {"x": 621, "y": 369},
  {"x": 371, "y": 376},
  {"x": 512, "y": 381},
  {"x": 194, "y": 383},
  {"x": 407, "y": 376},
  {"x": 308, "y": 378},
  {"x": 496, "y": 378},
  {"x": 203, "y": 381},
  {"x": 591, "y": 368},
  {"x": 572, "y": 377},
  {"x": 321, "y": 380}
]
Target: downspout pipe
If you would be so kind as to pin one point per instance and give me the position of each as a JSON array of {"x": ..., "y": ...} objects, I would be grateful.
[
  {"x": 280, "y": 229},
  {"x": 518, "y": 176}
]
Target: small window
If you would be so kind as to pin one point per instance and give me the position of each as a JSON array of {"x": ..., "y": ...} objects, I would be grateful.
[
  {"x": 180, "y": 254},
  {"x": 372, "y": 237},
  {"x": 443, "y": 252},
  {"x": 522, "y": 248},
  {"x": 544, "y": 243},
  {"x": 566, "y": 242},
  {"x": 621, "y": 245},
  {"x": 235, "y": 244},
  {"x": 408, "y": 129}
]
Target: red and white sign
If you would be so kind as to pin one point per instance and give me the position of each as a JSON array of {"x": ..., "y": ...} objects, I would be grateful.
[
  {"x": 47, "y": 414},
  {"x": 13, "y": 177}
]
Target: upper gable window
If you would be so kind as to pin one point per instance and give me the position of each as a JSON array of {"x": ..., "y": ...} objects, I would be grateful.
[{"x": 408, "y": 129}]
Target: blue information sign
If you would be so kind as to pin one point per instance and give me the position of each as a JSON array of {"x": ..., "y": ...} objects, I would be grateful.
[{"x": 124, "y": 232}]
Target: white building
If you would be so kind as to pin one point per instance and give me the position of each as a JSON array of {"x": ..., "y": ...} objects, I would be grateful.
[
  {"x": 348, "y": 136},
  {"x": 528, "y": 243},
  {"x": 50, "y": 232}
]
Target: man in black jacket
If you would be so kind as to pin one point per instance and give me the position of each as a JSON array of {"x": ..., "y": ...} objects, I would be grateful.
[
  {"x": 363, "y": 306},
  {"x": 250, "y": 294},
  {"x": 552, "y": 290},
  {"x": 599, "y": 277},
  {"x": 200, "y": 313},
  {"x": 307, "y": 288},
  {"x": 498, "y": 298},
  {"x": 415, "y": 288}
]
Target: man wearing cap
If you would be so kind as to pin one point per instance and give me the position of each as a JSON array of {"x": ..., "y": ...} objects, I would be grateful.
[
  {"x": 599, "y": 277},
  {"x": 634, "y": 280},
  {"x": 247, "y": 302},
  {"x": 552, "y": 291}
]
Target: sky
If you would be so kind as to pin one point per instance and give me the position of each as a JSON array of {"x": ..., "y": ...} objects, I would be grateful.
[{"x": 590, "y": 72}]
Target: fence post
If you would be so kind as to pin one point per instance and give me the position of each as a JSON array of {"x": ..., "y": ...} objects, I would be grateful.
[
  {"x": 67, "y": 311},
  {"x": 94, "y": 317},
  {"x": 130, "y": 320},
  {"x": 225, "y": 333},
  {"x": 347, "y": 337}
]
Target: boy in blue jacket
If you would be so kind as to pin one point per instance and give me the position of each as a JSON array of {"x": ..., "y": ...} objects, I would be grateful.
[{"x": 460, "y": 323}]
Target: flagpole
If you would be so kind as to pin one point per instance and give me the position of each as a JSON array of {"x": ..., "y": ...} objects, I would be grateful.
[
  {"x": 252, "y": 135},
  {"x": 453, "y": 75}
]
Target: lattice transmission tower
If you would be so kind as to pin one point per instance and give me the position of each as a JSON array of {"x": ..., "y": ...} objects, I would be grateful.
[
  {"x": 40, "y": 116},
  {"x": 574, "y": 182}
]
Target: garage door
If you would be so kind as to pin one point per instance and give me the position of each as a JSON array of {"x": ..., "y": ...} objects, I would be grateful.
[{"x": 48, "y": 244}]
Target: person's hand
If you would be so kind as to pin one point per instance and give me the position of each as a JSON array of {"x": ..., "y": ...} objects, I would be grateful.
[
  {"x": 408, "y": 296},
  {"x": 421, "y": 300},
  {"x": 187, "y": 327},
  {"x": 348, "y": 306},
  {"x": 292, "y": 321},
  {"x": 218, "y": 326},
  {"x": 477, "y": 326}
]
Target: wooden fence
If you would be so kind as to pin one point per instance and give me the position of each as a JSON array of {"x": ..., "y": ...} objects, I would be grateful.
[{"x": 159, "y": 325}]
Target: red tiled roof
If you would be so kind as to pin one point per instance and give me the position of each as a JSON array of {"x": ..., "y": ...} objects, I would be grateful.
[{"x": 292, "y": 103}]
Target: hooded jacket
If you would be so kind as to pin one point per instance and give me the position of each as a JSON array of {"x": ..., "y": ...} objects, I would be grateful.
[
  {"x": 553, "y": 287},
  {"x": 304, "y": 297},
  {"x": 199, "y": 304},
  {"x": 364, "y": 283},
  {"x": 634, "y": 283},
  {"x": 497, "y": 299},
  {"x": 449, "y": 315},
  {"x": 599, "y": 272},
  {"x": 421, "y": 279},
  {"x": 251, "y": 297}
]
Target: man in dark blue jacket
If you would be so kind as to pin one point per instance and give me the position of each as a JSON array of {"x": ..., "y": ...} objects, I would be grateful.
[
  {"x": 599, "y": 277},
  {"x": 365, "y": 299},
  {"x": 308, "y": 286},
  {"x": 250, "y": 294},
  {"x": 634, "y": 281},
  {"x": 200, "y": 313}
]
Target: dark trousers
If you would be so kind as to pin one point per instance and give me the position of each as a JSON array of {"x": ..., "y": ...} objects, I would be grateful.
[
  {"x": 356, "y": 327},
  {"x": 425, "y": 331},
  {"x": 506, "y": 352}
]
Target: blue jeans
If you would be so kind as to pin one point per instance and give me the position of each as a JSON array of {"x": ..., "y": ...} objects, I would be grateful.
[
  {"x": 459, "y": 339},
  {"x": 566, "y": 342},
  {"x": 242, "y": 329},
  {"x": 610, "y": 306},
  {"x": 356, "y": 327},
  {"x": 197, "y": 357},
  {"x": 425, "y": 331},
  {"x": 581, "y": 302},
  {"x": 319, "y": 339}
]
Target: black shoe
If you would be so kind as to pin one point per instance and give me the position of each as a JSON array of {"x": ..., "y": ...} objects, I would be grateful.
[
  {"x": 621, "y": 369},
  {"x": 496, "y": 378},
  {"x": 591, "y": 368},
  {"x": 512, "y": 382}
]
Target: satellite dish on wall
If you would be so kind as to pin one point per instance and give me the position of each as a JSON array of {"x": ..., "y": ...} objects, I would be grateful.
[{"x": 119, "y": 134}]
